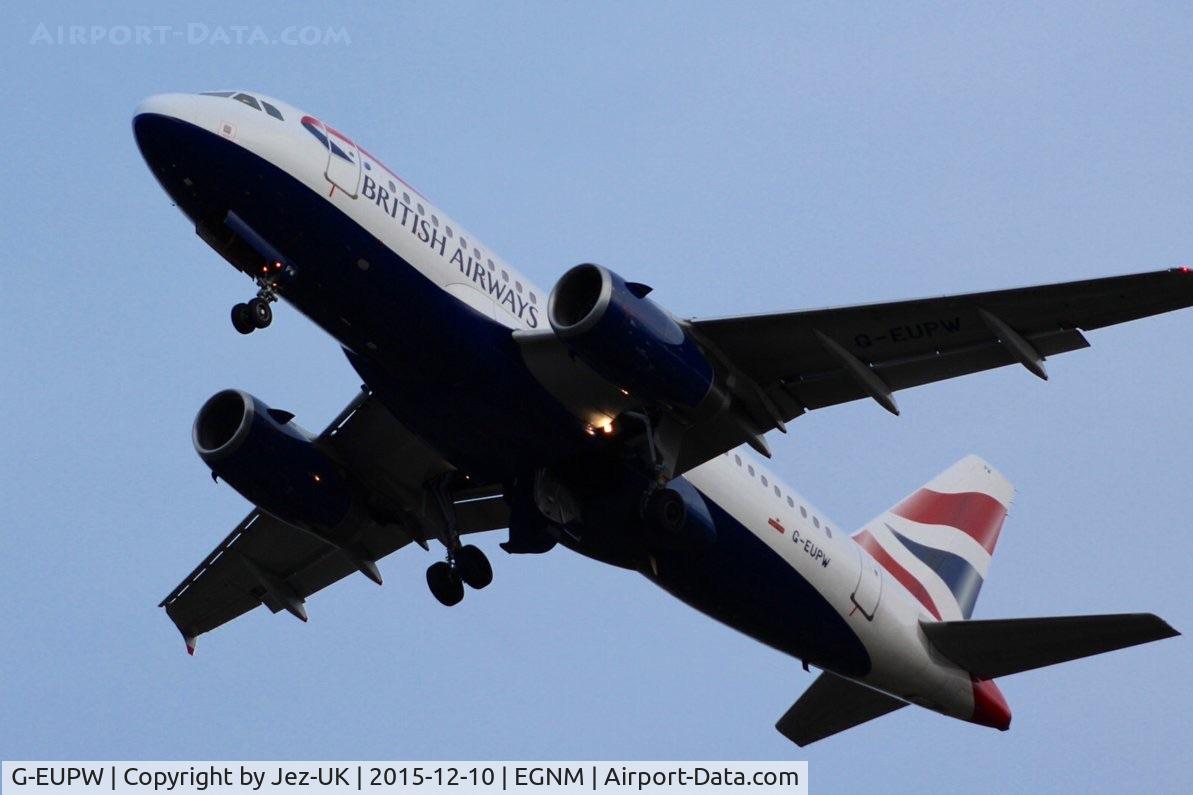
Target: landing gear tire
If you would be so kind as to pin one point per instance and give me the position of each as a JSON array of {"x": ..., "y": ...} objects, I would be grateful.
[
  {"x": 445, "y": 584},
  {"x": 473, "y": 567},
  {"x": 260, "y": 313},
  {"x": 242, "y": 319}
]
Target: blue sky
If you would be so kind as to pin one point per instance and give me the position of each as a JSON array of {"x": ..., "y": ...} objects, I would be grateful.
[{"x": 737, "y": 159}]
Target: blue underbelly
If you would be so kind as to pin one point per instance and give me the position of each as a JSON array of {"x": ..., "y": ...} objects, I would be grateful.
[{"x": 742, "y": 582}]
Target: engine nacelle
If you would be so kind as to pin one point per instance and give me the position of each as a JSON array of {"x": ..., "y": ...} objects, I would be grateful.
[
  {"x": 677, "y": 517},
  {"x": 270, "y": 461},
  {"x": 627, "y": 338}
]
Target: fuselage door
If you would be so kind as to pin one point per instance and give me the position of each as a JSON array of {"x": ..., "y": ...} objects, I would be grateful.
[
  {"x": 343, "y": 162},
  {"x": 868, "y": 589}
]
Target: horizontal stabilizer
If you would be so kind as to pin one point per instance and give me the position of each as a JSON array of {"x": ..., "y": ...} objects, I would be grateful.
[
  {"x": 989, "y": 649},
  {"x": 832, "y": 705}
]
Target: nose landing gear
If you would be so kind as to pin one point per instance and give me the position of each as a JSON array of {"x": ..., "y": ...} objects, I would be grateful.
[{"x": 256, "y": 314}]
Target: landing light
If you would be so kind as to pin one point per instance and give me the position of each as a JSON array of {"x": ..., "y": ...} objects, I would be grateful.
[
  {"x": 608, "y": 429},
  {"x": 317, "y": 478}
]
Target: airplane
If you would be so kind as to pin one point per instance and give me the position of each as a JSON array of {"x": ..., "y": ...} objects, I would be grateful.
[{"x": 591, "y": 417}]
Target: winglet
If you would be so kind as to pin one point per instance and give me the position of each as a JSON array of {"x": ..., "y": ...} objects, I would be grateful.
[{"x": 190, "y": 644}]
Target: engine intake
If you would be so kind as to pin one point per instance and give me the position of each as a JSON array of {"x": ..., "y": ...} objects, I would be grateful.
[
  {"x": 627, "y": 338},
  {"x": 270, "y": 461}
]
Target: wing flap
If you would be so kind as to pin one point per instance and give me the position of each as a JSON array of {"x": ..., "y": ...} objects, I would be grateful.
[{"x": 832, "y": 705}]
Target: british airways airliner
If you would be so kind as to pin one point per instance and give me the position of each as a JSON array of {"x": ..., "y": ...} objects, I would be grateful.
[{"x": 592, "y": 417}]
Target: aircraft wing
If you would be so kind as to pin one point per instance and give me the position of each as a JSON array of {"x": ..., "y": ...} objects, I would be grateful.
[
  {"x": 811, "y": 359},
  {"x": 266, "y": 561}
]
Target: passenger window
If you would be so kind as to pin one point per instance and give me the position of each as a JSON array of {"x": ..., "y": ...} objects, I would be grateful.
[
  {"x": 505, "y": 277},
  {"x": 476, "y": 254},
  {"x": 434, "y": 221},
  {"x": 246, "y": 99},
  {"x": 790, "y": 502},
  {"x": 448, "y": 230},
  {"x": 803, "y": 512},
  {"x": 406, "y": 197},
  {"x": 492, "y": 267},
  {"x": 534, "y": 300},
  {"x": 764, "y": 480},
  {"x": 828, "y": 531},
  {"x": 816, "y": 521},
  {"x": 518, "y": 286},
  {"x": 750, "y": 469},
  {"x": 421, "y": 210},
  {"x": 777, "y": 492},
  {"x": 737, "y": 458},
  {"x": 272, "y": 111}
]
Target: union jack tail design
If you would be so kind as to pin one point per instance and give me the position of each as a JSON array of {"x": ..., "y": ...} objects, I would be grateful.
[{"x": 938, "y": 541}]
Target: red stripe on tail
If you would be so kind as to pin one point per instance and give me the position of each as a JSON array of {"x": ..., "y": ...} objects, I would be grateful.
[
  {"x": 871, "y": 545},
  {"x": 978, "y": 515}
]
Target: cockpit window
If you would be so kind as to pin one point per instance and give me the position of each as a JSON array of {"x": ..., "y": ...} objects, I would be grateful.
[
  {"x": 249, "y": 100},
  {"x": 246, "y": 99}
]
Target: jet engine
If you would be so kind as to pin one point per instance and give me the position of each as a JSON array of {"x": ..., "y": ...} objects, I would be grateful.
[
  {"x": 628, "y": 339},
  {"x": 272, "y": 462}
]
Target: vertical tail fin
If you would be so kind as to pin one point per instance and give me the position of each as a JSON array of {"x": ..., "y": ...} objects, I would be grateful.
[{"x": 939, "y": 540}]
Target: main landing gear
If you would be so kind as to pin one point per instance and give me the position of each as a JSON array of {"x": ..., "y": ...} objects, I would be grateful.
[
  {"x": 468, "y": 566},
  {"x": 465, "y": 565}
]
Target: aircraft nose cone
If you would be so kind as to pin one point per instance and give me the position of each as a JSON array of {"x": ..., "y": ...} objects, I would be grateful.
[
  {"x": 175, "y": 106},
  {"x": 989, "y": 706}
]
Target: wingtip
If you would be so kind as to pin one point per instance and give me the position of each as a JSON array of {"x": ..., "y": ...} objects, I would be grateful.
[
  {"x": 1164, "y": 630},
  {"x": 190, "y": 644}
]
